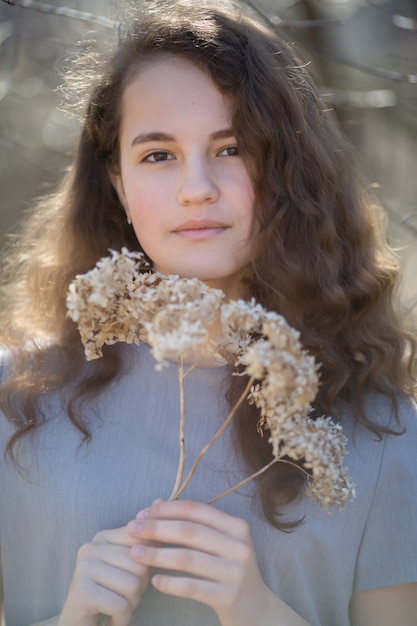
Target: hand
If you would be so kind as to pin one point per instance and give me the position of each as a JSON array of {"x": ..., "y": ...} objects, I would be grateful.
[
  {"x": 106, "y": 581},
  {"x": 217, "y": 549}
]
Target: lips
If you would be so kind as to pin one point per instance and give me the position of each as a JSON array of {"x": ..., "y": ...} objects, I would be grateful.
[
  {"x": 201, "y": 229},
  {"x": 200, "y": 225}
]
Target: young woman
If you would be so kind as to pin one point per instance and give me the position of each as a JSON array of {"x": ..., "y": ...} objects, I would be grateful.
[{"x": 205, "y": 145}]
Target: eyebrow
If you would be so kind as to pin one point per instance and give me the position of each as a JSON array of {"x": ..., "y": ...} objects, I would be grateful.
[{"x": 224, "y": 133}]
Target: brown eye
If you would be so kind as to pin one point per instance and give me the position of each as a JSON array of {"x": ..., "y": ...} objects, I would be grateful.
[
  {"x": 158, "y": 156},
  {"x": 229, "y": 151}
]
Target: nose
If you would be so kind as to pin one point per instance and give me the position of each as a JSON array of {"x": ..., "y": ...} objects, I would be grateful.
[{"x": 197, "y": 185}]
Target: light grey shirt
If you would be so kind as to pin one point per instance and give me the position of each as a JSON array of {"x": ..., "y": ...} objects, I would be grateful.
[{"x": 70, "y": 492}]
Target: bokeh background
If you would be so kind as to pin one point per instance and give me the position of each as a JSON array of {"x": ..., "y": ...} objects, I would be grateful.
[{"x": 362, "y": 52}]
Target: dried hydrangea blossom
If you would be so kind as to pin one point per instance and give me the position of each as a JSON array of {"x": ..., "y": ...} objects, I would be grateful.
[
  {"x": 331, "y": 483},
  {"x": 101, "y": 302},
  {"x": 271, "y": 353},
  {"x": 269, "y": 350},
  {"x": 240, "y": 322},
  {"x": 118, "y": 301},
  {"x": 186, "y": 308}
]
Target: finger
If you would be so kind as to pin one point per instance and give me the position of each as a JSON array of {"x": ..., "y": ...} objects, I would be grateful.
[
  {"x": 190, "y": 535},
  {"x": 158, "y": 501},
  {"x": 187, "y": 561},
  {"x": 96, "y": 598},
  {"x": 144, "y": 512},
  {"x": 116, "y": 536},
  {"x": 200, "y": 513},
  {"x": 206, "y": 592},
  {"x": 115, "y": 556}
]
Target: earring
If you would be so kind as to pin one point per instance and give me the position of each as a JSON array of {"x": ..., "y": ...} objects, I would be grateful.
[{"x": 129, "y": 221}]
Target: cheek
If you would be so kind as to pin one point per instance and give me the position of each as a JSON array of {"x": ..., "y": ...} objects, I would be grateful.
[
  {"x": 247, "y": 200},
  {"x": 144, "y": 205},
  {"x": 245, "y": 191},
  {"x": 146, "y": 228},
  {"x": 148, "y": 221},
  {"x": 148, "y": 238}
]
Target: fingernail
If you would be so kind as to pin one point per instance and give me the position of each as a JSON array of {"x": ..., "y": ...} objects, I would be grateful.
[
  {"x": 143, "y": 514},
  {"x": 135, "y": 526},
  {"x": 138, "y": 551}
]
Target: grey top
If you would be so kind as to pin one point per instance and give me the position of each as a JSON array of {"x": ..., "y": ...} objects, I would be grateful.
[{"x": 70, "y": 492}]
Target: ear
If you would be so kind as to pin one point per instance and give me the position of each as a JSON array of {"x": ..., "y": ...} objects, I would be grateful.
[{"x": 116, "y": 181}]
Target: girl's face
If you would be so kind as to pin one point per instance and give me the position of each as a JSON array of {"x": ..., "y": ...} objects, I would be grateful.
[{"x": 181, "y": 179}]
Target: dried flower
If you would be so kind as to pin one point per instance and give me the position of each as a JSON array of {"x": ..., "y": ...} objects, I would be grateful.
[
  {"x": 119, "y": 301},
  {"x": 103, "y": 301},
  {"x": 179, "y": 327},
  {"x": 269, "y": 351}
]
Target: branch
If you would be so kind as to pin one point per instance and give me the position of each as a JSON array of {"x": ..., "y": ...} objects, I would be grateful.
[
  {"x": 375, "y": 71},
  {"x": 401, "y": 21},
  {"x": 275, "y": 20},
  {"x": 66, "y": 11},
  {"x": 406, "y": 23}
]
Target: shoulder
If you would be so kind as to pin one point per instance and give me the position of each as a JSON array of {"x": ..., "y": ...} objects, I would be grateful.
[
  {"x": 391, "y": 413},
  {"x": 393, "y": 454},
  {"x": 383, "y": 466},
  {"x": 400, "y": 450},
  {"x": 398, "y": 415},
  {"x": 398, "y": 463},
  {"x": 388, "y": 554}
]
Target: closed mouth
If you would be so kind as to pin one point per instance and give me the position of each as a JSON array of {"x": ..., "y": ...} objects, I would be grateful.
[{"x": 201, "y": 225}]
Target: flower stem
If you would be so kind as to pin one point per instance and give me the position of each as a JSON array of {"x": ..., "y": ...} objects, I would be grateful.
[
  {"x": 190, "y": 369},
  {"x": 214, "y": 438},
  {"x": 255, "y": 475},
  {"x": 181, "y": 462},
  {"x": 244, "y": 481}
]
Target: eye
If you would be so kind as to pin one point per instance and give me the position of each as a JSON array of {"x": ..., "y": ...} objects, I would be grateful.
[
  {"x": 158, "y": 156},
  {"x": 229, "y": 151}
]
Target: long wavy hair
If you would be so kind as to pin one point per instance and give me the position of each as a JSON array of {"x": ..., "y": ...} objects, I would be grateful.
[{"x": 320, "y": 257}]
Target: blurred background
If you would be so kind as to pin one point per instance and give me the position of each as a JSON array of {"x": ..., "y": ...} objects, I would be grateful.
[{"x": 362, "y": 52}]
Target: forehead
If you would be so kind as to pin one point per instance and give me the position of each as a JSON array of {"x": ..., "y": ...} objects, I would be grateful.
[{"x": 172, "y": 89}]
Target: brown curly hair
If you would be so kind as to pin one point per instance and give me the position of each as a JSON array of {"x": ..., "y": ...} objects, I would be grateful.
[{"x": 320, "y": 255}]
